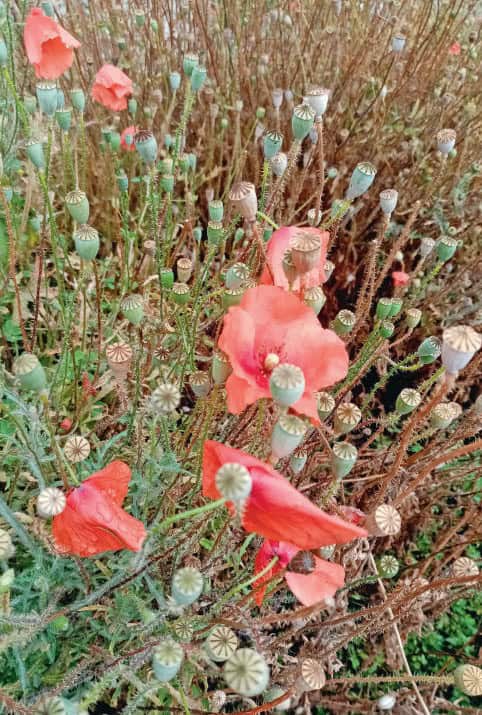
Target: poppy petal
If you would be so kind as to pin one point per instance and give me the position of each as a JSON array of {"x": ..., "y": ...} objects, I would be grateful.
[
  {"x": 312, "y": 588},
  {"x": 113, "y": 481},
  {"x": 240, "y": 394}
]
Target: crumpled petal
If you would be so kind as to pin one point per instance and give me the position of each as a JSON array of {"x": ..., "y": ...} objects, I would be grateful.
[
  {"x": 111, "y": 88},
  {"x": 312, "y": 588},
  {"x": 49, "y": 47}
]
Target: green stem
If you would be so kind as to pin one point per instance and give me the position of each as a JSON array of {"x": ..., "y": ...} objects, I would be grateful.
[
  {"x": 263, "y": 216},
  {"x": 211, "y": 506}
]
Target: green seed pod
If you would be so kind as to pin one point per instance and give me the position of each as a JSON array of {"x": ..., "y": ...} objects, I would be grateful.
[
  {"x": 35, "y": 152},
  {"x": 140, "y": 18},
  {"x": 413, "y": 317},
  {"x": 189, "y": 62},
  {"x": 165, "y": 165},
  {"x": 361, "y": 180},
  {"x": 87, "y": 242},
  {"x": 343, "y": 459},
  {"x": 133, "y": 308},
  {"x": 167, "y": 183},
  {"x": 132, "y": 106},
  {"x": 298, "y": 460},
  {"x": 30, "y": 372},
  {"x": 221, "y": 368},
  {"x": 232, "y": 296},
  {"x": 444, "y": 414},
  {"x": 77, "y": 97},
  {"x": 187, "y": 585},
  {"x": 236, "y": 275},
  {"x": 174, "y": 81},
  {"x": 445, "y": 248},
  {"x": 215, "y": 232},
  {"x": 183, "y": 630},
  {"x": 347, "y": 416},
  {"x": 233, "y": 482},
  {"x": 146, "y": 145},
  {"x": 344, "y": 322},
  {"x": 326, "y": 405},
  {"x": 272, "y": 143},
  {"x": 287, "y": 435},
  {"x": 63, "y": 117},
  {"x": 224, "y": 122},
  {"x": 302, "y": 121},
  {"x": 181, "y": 293},
  {"x": 407, "y": 401},
  {"x": 30, "y": 104},
  {"x": 198, "y": 77},
  {"x": 468, "y": 679},
  {"x": 60, "y": 624},
  {"x": 3, "y": 53},
  {"x": 388, "y": 566},
  {"x": 395, "y": 307},
  {"x": 221, "y": 643},
  {"x": 167, "y": 278},
  {"x": 216, "y": 211},
  {"x": 246, "y": 672},
  {"x": 35, "y": 223},
  {"x": 77, "y": 205},
  {"x": 383, "y": 308},
  {"x": 167, "y": 659},
  {"x": 429, "y": 350},
  {"x": 315, "y": 298},
  {"x": 386, "y": 329},
  {"x": 47, "y": 97},
  {"x": 50, "y": 706},
  {"x": 115, "y": 141},
  {"x": 287, "y": 384}
]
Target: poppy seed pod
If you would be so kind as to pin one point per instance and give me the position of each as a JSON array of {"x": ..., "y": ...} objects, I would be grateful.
[
  {"x": 77, "y": 97},
  {"x": 216, "y": 210},
  {"x": 305, "y": 251},
  {"x": 326, "y": 405},
  {"x": 236, "y": 275},
  {"x": 119, "y": 357},
  {"x": 167, "y": 659},
  {"x": 388, "y": 566},
  {"x": 76, "y": 449},
  {"x": 220, "y": 368},
  {"x": 468, "y": 678},
  {"x": 361, "y": 179},
  {"x": 317, "y": 98},
  {"x": 298, "y": 460},
  {"x": 30, "y": 104},
  {"x": 87, "y": 242},
  {"x": 232, "y": 296},
  {"x": 384, "y": 521},
  {"x": 395, "y": 307},
  {"x": 146, "y": 145},
  {"x": 398, "y": 43},
  {"x": 47, "y": 97},
  {"x": 29, "y": 372},
  {"x": 199, "y": 383},
  {"x": 273, "y": 694},
  {"x": 221, "y": 643},
  {"x": 55, "y": 705},
  {"x": 312, "y": 675},
  {"x": 313, "y": 219},
  {"x": 388, "y": 201},
  {"x": 187, "y": 585},
  {"x": 63, "y": 117},
  {"x": 167, "y": 183},
  {"x": 243, "y": 196},
  {"x": 50, "y": 502},
  {"x": 429, "y": 350},
  {"x": 343, "y": 458},
  {"x": 189, "y": 62},
  {"x": 387, "y": 701},
  {"x": 459, "y": 345},
  {"x": 133, "y": 308},
  {"x": 184, "y": 269},
  {"x": 464, "y": 566},
  {"x": 165, "y": 399},
  {"x": 174, "y": 81},
  {"x": 426, "y": 246},
  {"x": 329, "y": 267},
  {"x": 272, "y": 142},
  {"x": 35, "y": 152},
  {"x": 344, "y": 322},
  {"x": 386, "y": 329},
  {"x": 287, "y": 384},
  {"x": 407, "y": 401},
  {"x": 347, "y": 416},
  {"x": 198, "y": 77},
  {"x": 246, "y": 672},
  {"x": 445, "y": 248},
  {"x": 60, "y": 99},
  {"x": 279, "y": 164},
  {"x": 315, "y": 298},
  {"x": 444, "y": 414},
  {"x": 446, "y": 141},
  {"x": 413, "y": 317},
  {"x": 302, "y": 120},
  {"x": 287, "y": 435},
  {"x": 289, "y": 268},
  {"x": 234, "y": 482},
  {"x": 77, "y": 205}
]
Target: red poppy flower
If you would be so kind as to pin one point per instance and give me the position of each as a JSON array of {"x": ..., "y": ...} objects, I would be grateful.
[
  {"x": 66, "y": 424},
  {"x": 274, "y": 508},
  {"x": 129, "y": 132},
  {"x": 277, "y": 246},
  {"x": 50, "y": 48},
  {"x": 400, "y": 279},
  {"x": 111, "y": 88},
  {"x": 455, "y": 49},
  {"x": 93, "y": 520},
  {"x": 310, "y": 588},
  {"x": 271, "y": 321}
]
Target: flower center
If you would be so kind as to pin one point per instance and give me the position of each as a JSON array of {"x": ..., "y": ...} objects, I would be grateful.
[{"x": 271, "y": 361}]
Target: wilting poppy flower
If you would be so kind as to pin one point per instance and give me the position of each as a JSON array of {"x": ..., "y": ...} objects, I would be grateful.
[
  {"x": 129, "y": 132},
  {"x": 400, "y": 279},
  {"x": 275, "y": 509},
  {"x": 93, "y": 520},
  {"x": 111, "y": 88},
  {"x": 50, "y": 48},
  {"x": 277, "y": 246},
  {"x": 271, "y": 322},
  {"x": 309, "y": 588},
  {"x": 455, "y": 49}
]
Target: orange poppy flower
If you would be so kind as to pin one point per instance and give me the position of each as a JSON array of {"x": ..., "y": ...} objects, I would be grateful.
[
  {"x": 50, "y": 48},
  {"x": 275, "y": 509},
  {"x": 277, "y": 246},
  {"x": 111, "y": 88},
  {"x": 93, "y": 520},
  {"x": 271, "y": 321}
]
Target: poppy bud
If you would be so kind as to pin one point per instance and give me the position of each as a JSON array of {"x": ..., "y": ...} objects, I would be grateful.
[
  {"x": 326, "y": 405},
  {"x": 445, "y": 248},
  {"x": 287, "y": 384},
  {"x": 119, "y": 358},
  {"x": 315, "y": 298},
  {"x": 279, "y": 164},
  {"x": 221, "y": 643},
  {"x": 464, "y": 566},
  {"x": 426, "y": 246},
  {"x": 236, "y": 275},
  {"x": 388, "y": 201},
  {"x": 174, "y": 81},
  {"x": 50, "y": 502},
  {"x": 312, "y": 675},
  {"x": 199, "y": 382},
  {"x": 184, "y": 269},
  {"x": 35, "y": 152},
  {"x": 76, "y": 449},
  {"x": 146, "y": 145},
  {"x": 398, "y": 43},
  {"x": 167, "y": 659},
  {"x": 468, "y": 679},
  {"x": 287, "y": 434},
  {"x": 384, "y": 521},
  {"x": 347, "y": 416},
  {"x": 77, "y": 97},
  {"x": 298, "y": 460},
  {"x": 361, "y": 180},
  {"x": 198, "y": 77},
  {"x": 77, "y": 205},
  {"x": 446, "y": 141},
  {"x": 407, "y": 401},
  {"x": 181, "y": 293},
  {"x": 343, "y": 459},
  {"x": 189, "y": 62},
  {"x": 215, "y": 232},
  {"x": 47, "y": 97},
  {"x": 187, "y": 585},
  {"x": 317, "y": 98},
  {"x": 243, "y": 196},
  {"x": 6, "y": 545},
  {"x": 305, "y": 251},
  {"x": 165, "y": 399},
  {"x": 216, "y": 210},
  {"x": 220, "y": 368},
  {"x": 63, "y": 117},
  {"x": 133, "y": 308},
  {"x": 29, "y": 372},
  {"x": 246, "y": 672},
  {"x": 429, "y": 350},
  {"x": 272, "y": 142},
  {"x": 386, "y": 329},
  {"x": 302, "y": 121},
  {"x": 344, "y": 322},
  {"x": 395, "y": 307},
  {"x": 413, "y": 317},
  {"x": 388, "y": 566},
  {"x": 459, "y": 345},
  {"x": 387, "y": 701}
]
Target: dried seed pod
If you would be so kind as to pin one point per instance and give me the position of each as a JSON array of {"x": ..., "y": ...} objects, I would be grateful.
[
  {"x": 246, "y": 672},
  {"x": 387, "y": 701},
  {"x": 326, "y": 405},
  {"x": 459, "y": 345},
  {"x": 76, "y": 449},
  {"x": 221, "y": 643},
  {"x": 279, "y": 164},
  {"x": 317, "y": 98},
  {"x": 183, "y": 629},
  {"x": 233, "y": 481},
  {"x": 468, "y": 678},
  {"x": 388, "y": 201},
  {"x": 305, "y": 251},
  {"x": 312, "y": 675},
  {"x": 50, "y": 502},
  {"x": 384, "y": 521},
  {"x": 347, "y": 416},
  {"x": 119, "y": 358},
  {"x": 165, "y": 399},
  {"x": 200, "y": 384},
  {"x": 243, "y": 196},
  {"x": 464, "y": 566},
  {"x": 446, "y": 141},
  {"x": 184, "y": 269}
]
